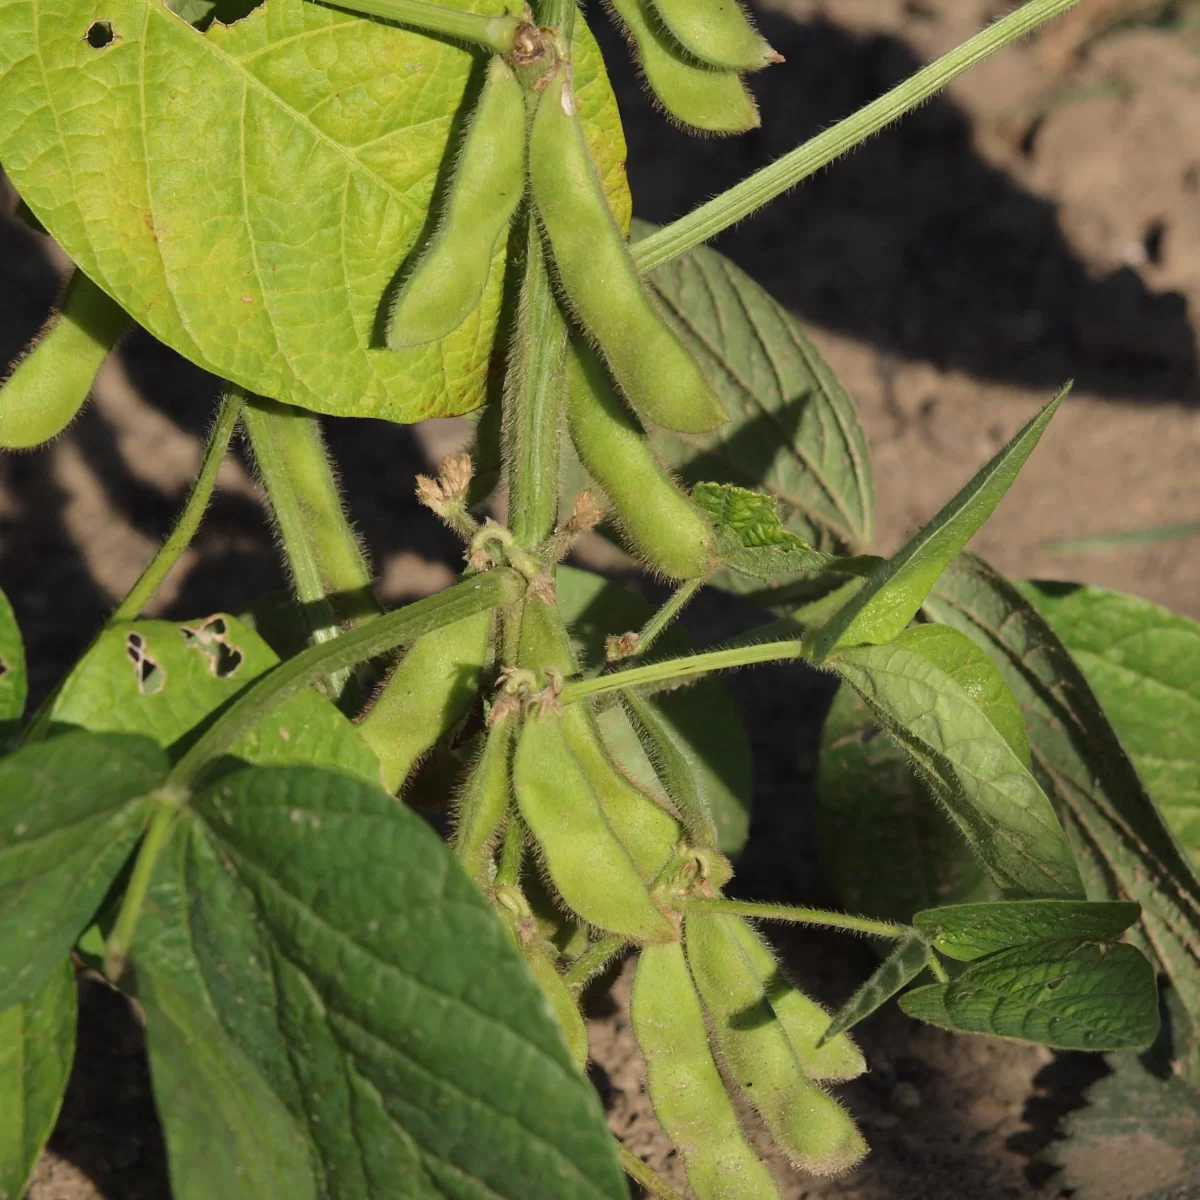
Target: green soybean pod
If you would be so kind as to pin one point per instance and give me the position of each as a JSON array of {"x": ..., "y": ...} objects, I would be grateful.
[
  {"x": 428, "y": 692},
  {"x": 590, "y": 869},
  {"x": 716, "y": 31},
  {"x": 661, "y": 525},
  {"x": 647, "y": 831},
  {"x": 705, "y": 98},
  {"x": 810, "y": 1127},
  {"x": 539, "y": 956},
  {"x": 50, "y": 384},
  {"x": 652, "y": 367},
  {"x": 483, "y": 803},
  {"x": 489, "y": 180},
  {"x": 685, "y": 1085},
  {"x": 802, "y": 1019}
]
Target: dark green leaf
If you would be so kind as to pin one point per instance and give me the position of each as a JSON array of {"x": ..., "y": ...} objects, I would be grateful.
[
  {"x": 1143, "y": 663},
  {"x": 166, "y": 679},
  {"x": 71, "y": 810},
  {"x": 889, "y": 851},
  {"x": 909, "y": 958},
  {"x": 969, "y": 931},
  {"x": 1060, "y": 994},
  {"x": 331, "y": 935},
  {"x": 703, "y": 717},
  {"x": 792, "y": 430},
  {"x": 895, "y": 590},
  {"x": 992, "y": 797},
  {"x": 1120, "y": 840},
  {"x": 227, "y": 1133},
  {"x": 752, "y": 540},
  {"x": 37, "y": 1044},
  {"x": 13, "y": 680}
]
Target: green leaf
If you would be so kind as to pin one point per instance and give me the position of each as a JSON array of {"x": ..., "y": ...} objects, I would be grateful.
[
  {"x": 888, "y": 850},
  {"x": 13, "y": 678},
  {"x": 752, "y": 540},
  {"x": 227, "y": 1133},
  {"x": 71, "y": 810},
  {"x": 1060, "y": 994},
  {"x": 266, "y": 258},
  {"x": 37, "y": 1045},
  {"x": 895, "y": 590},
  {"x": 907, "y": 960},
  {"x": 792, "y": 430},
  {"x": 330, "y": 934},
  {"x": 702, "y": 717},
  {"x": 969, "y": 931},
  {"x": 972, "y": 770},
  {"x": 165, "y": 679},
  {"x": 1120, "y": 840},
  {"x": 1143, "y": 663}
]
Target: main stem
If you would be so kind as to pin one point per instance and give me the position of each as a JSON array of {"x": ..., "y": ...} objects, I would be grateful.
[{"x": 763, "y": 186}]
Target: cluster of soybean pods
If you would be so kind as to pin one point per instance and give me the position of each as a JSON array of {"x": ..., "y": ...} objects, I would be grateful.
[{"x": 619, "y": 866}]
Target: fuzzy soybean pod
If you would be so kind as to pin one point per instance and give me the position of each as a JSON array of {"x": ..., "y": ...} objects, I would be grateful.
[
  {"x": 802, "y": 1019},
  {"x": 483, "y": 802},
  {"x": 428, "y": 692},
  {"x": 645, "y": 828},
  {"x": 716, "y": 31},
  {"x": 705, "y": 98},
  {"x": 685, "y": 1085},
  {"x": 652, "y": 367},
  {"x": 809, "y": 1126},
  {"x": 660, "y": 524},
  {"x": 50, "y": 384},
  {"x": 448, "y": 280},
  {"x": 589, "y": 867}
]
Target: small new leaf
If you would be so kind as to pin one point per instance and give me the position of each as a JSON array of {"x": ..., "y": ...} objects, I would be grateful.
[
  {"x": 900, "y": 968},
  {"x": 1065, "y": 994},
  {"x": 898, "y": 587},
  {"x": 752, "y": 540},
  {"x": 970, "y": 931}
]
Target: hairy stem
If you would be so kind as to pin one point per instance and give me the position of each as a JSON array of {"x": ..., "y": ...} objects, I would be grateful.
[
  {"x": 801, "y": 916},
  {"x": 329, "y": 571},
  {"x": 533, "y": 401},
  {"x": 764, "y": 186},
  {"x": 180, "y": 537},
  {"x": 650, "y": 1181},
  {"x": 495, "y": 33},
  {"x": 120, "y": 940},
  {"x": 558, "y": 14},
  {"x": 512, "y": 850},
  {"x": 662, "y": 619},
  {"x": 593, "y": 960},
  {"x": 677, "y": 669},
  {"x": 489, "y": 590}
]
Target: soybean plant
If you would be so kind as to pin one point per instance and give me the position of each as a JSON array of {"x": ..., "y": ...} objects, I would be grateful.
[{"x": 398, "y": 210}]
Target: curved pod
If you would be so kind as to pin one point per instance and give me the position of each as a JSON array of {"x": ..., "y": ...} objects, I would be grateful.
[
  {"x": 49, "y": 386},
  {"x": 653, "y": 368},
  {"x": 808, "y": 1125},
  {"x": 660, "y": 523},
  {"x": 428, "y": 693},
  {"x": 705, "y": 98},
  {"x": 716, "y": 31},
  {"x": 449, "y": 279},
  {"x": 588, "y": 865},
  {"x": 647, "y": 831},
  {"x": 685, "y": 1086}
]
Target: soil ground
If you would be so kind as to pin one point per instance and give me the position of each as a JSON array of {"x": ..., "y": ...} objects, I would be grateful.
[{"x": 1040, "y": 222}]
